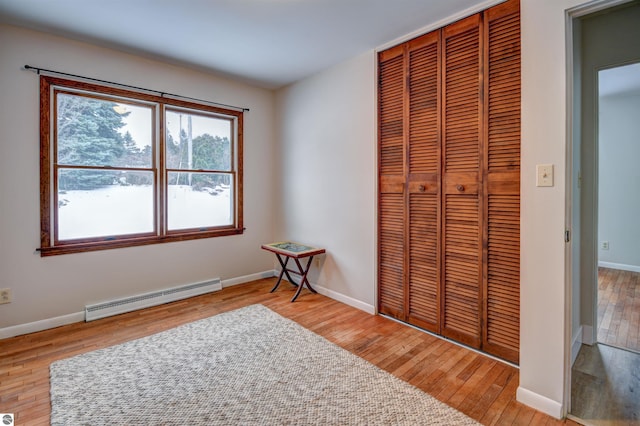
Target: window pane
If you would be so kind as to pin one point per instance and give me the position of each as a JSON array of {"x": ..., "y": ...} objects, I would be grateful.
[
  {"x": 199, "y": 200},
  {"x": 95, "y": 132},
  {"x": 96, "y": 203},
  {"x": 197, "y": 142}
]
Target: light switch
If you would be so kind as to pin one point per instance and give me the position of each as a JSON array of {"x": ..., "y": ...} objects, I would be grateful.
[{"x": 544, "y": 175}]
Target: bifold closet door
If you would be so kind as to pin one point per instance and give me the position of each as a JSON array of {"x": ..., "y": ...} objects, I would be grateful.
[
  {"x": 391, "y": 183},
  {"x": 409, "y": 183},
  {"x": 462, "y": 219},
  {"x": 423, "y": 183},
  {"x": 502, "y": 181},
  {"x": 449, "y": 181}
]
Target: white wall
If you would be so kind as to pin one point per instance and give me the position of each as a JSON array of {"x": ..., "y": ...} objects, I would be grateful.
[
  {"x": 327, "y": 172},
  {"x": 327, "y": 147},
  {"x": 619, "y": 180},
  {"x": 545, "y": 329},
  {"x": 325, "y": 104},
  {"x": 542, "y": 209},
  {"x": 338, "y": 210},
  {"x": 50, "y": 287}
]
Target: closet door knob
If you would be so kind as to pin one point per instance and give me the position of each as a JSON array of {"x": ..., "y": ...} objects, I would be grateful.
[
  {"x": 422, "y": 188},
  {"x": 460, "y": 188}
]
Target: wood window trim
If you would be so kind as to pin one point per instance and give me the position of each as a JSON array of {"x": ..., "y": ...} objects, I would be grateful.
[{"x": 49, "y": 246}]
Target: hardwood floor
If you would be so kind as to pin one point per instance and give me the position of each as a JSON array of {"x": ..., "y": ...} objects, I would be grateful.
[
  {"x": 605, "y": 383},
  {"x": 479, "y": 386},
  {"x": 605, "y": 379},
  {"x": 619, "y": 308}
]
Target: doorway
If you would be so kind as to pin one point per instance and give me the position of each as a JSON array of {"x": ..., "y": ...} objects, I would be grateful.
[
  {"x": 618, "y": 297},
  {"x": 605, "y": 380}
]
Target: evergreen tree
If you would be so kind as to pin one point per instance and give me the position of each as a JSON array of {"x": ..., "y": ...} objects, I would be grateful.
[
  {"x": 210, "y": 153},
  {"x": 135, "y": 157},
  {"x": 88, "y": 135},
  {"x": 130, "y": 145},
  {"x": 173, "y": 152}
]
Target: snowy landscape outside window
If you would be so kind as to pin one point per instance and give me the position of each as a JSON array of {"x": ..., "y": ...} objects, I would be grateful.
[{"x": 121, "y": 168}]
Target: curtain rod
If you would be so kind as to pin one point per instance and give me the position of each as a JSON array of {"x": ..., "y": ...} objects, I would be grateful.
[{"x": 162, "y": 94}]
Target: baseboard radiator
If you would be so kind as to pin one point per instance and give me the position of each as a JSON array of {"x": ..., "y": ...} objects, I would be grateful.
[{"x": 128, "y": 304}]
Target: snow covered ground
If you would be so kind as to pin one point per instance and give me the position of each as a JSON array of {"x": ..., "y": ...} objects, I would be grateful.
[{"x": 118, "y": 210}]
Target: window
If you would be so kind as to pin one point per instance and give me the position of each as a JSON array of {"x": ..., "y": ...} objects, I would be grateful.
[{"x": 122, "y": 168}]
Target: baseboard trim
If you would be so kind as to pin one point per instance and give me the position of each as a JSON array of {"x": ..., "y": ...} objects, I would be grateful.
[
  {"x": 539, "y": 402},
  {"x": 247, "y": 278},
  {"x": 576, "y": 343},
  {"x": 347, "y": 300},
  {"x": 48, "y": 323},
  {"x": 587, "y": 335},
  {"x": 620, "y": 266},
  {"x": 33, "y": 327},
  {"x": 41, "y": 325}
]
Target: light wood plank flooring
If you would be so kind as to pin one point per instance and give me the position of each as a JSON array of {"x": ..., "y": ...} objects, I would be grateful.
[
  {"x": 477, "y": 385},
  {"x": 605, "y": 386},
  {"x": 605, "y": 379},
  {"x": 619, "y": 308}
]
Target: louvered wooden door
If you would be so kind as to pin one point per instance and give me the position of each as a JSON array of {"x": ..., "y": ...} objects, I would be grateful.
[
  {"x": 423, "y": 164},
  {"x": 461, "y": 203},
  {"x": 391, "y": 183},
  {"x": 502, "y": 181},
  {"x": 449, "y": 179}
]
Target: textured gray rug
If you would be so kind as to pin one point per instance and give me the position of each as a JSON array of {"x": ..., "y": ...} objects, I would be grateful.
[{"x": 250, "y": 367}]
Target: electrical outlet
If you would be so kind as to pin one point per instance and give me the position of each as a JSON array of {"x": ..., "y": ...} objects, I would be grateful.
[
  {"x": 605, "y": 245},
  {"x": 5, "y": 295}
]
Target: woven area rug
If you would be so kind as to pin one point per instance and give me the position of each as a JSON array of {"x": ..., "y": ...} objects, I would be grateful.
[{"x": 246, "y": 367}]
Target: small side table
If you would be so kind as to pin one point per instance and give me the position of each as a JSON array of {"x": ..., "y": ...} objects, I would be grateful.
[{"x": 290, "y": 250}]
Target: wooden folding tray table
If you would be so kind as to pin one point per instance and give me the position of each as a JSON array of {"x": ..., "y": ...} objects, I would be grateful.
[{"x": 290, "y": 250}]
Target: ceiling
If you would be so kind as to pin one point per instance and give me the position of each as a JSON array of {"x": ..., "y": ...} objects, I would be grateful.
[{"x": 269, "y": 43}]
